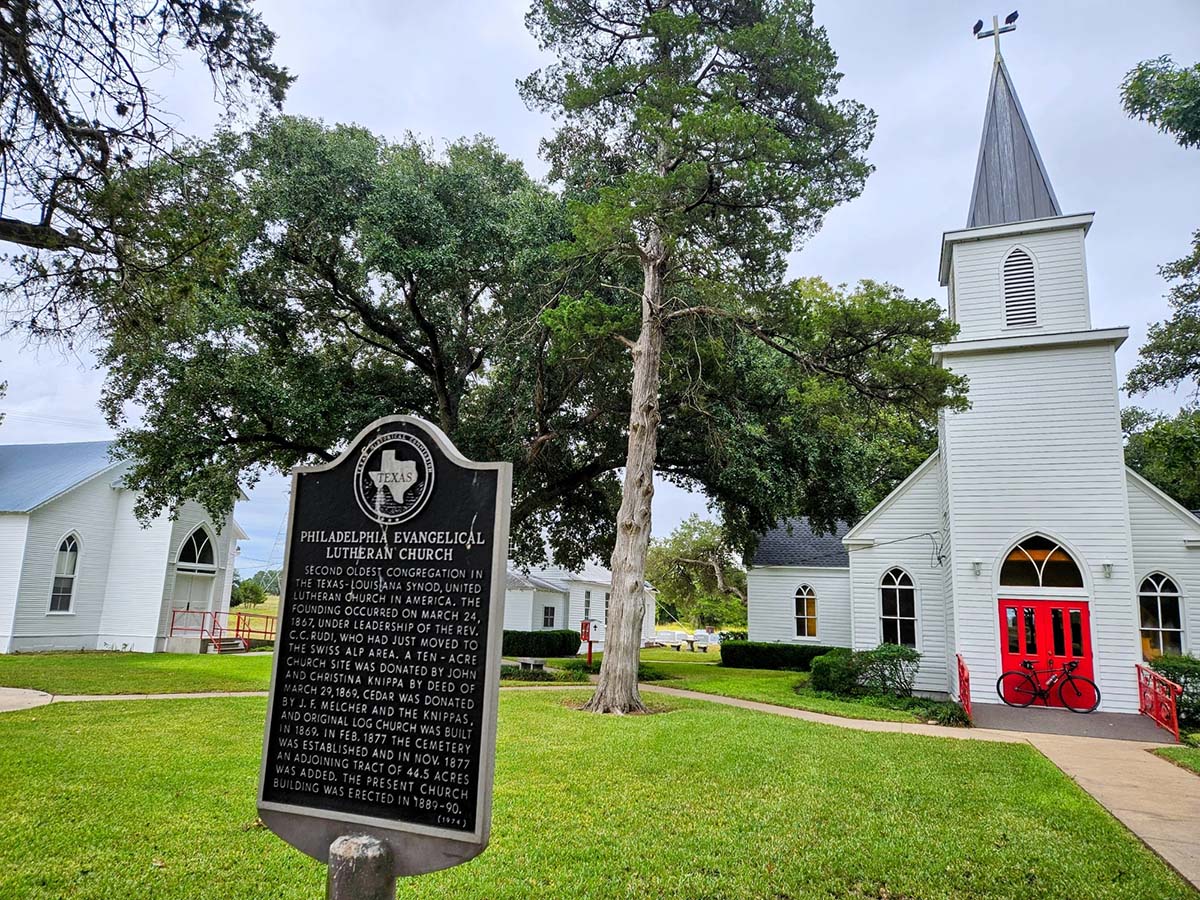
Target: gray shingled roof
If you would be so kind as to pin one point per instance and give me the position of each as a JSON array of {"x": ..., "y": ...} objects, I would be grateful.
[
  {"x": 527, "y": 581},
  {"x": 31, "y": 474},
  {"x": 1011, "y": 184},
  {"x": 794, "y": 543}
]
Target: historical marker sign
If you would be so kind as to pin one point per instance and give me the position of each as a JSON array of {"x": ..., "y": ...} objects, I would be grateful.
[{"x": 382, "y": 713}]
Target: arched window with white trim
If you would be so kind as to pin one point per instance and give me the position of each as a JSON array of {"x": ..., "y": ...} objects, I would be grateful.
[
  {"x": 806, "y": 611},
  {"x": 66, "y": 568},
  {"x": 898, "y": 608},
  {"x": 1039, "y": 561},
  {"x": 196, "y": 554},
  {"x": 1160, "y": 614},
  {"x": 1020, "y": 294}
]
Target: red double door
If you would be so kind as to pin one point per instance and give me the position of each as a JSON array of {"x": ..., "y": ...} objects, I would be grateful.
[{"x": 1047, "y": 633}]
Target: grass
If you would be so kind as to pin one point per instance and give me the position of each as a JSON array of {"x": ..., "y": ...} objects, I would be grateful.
[
  {"x": 691, "y": 671},
  {"x": 1186, "y": 755},
  {"x": 105, "y": 672},
  {"x": 156, "y": 799},
  {"x": 780, "y": 688}
]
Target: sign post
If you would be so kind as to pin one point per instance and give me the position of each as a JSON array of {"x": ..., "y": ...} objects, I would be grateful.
[
  {"x": 380, "y": 737},
  {"x": 585, "y": 632}
]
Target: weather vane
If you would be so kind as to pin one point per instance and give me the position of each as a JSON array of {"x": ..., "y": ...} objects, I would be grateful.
[{"x": 1010, "y": 24}]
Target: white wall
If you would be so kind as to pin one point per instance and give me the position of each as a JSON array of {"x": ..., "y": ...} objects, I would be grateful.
[
  {"x": 13, "y": 530},
  {"x": 542, "y": 599},
  {"x": 1060, "y": 284},
  {"x": 900, "y": 527},
  {"x": 136, "y": 579},
  {"x": 88, "y": 510},
  {"x": 1159, "y": 529},
  {"x": 771, "y": 604},
  {"x": 1040, "y": 450},
  {"x": 517, "y": 605}
]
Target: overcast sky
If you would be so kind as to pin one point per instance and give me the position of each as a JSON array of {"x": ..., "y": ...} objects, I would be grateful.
[{"x": 444, "y": 70}]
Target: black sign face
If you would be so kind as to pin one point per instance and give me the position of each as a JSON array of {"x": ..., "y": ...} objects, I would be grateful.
[{"x": 382, "y": 707}]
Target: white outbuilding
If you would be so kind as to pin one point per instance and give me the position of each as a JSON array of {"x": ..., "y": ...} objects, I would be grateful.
[
  {"x": 1024, "y": 538},
  {"x": 78, "y": 571},
  {"x": 546, "y": 599}
]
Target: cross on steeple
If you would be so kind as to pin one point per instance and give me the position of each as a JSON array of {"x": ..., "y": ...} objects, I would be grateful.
[{"x": 1010, "y": 24}]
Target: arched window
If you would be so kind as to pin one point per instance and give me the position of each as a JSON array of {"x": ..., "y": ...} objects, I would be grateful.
[
  {"x": 66, "y": 565},
  {"x": 1020, "y": 298},
  {"x": 806, "y": 611},
  {"x": 898, "y": 608},
  {"x": 1040, "y": 562},
  {"x": 1161, "y": 612},
  {"x": 196, "y": 554}
]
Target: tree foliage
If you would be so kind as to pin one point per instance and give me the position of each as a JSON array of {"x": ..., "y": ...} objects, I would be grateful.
[
  {"x": 268, "y": 579},
  {"x": 1168, "y": 96},
  {"x": 696, "y": 575},
  {"x": 281, "y": 289},
  {"x": 699, "y": 142},
  {"x": 78, "y": 103},
  {"x": 1165, "y": 450}
]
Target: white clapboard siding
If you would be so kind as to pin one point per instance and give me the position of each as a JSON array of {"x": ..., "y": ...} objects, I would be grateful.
[
  {"x": 517, "y": 606},
  {"x": 1160, "y": 528},
  {"x": 1040, "y": 451},
  {"x": 13, "y": 530},
  {"x": 771, "y": 606},
  {"x": 1060, "y": 284},
  {"x": 542, "y": 599},
  {"x": 905, "y": 528},
  {"x": 136, "y": 579},
  {"x": 87, "y": 510}
]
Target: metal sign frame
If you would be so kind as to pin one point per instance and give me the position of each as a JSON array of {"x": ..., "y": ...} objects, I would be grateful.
[{"x": 416, "y": 848}]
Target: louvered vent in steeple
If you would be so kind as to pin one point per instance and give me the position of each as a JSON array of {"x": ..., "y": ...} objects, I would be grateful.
[{"x": 1020, "y": 299}]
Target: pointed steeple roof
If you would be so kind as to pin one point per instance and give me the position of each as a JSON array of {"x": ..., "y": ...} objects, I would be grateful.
[{"x": 1011, "y": 184}]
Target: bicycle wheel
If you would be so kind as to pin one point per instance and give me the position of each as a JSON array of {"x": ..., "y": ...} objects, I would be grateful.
[
  {"x": 1017, "y": 689},
  {"x": 1079, "y": 694}
]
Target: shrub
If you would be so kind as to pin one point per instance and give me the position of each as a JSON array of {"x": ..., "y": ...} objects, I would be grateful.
[
  {"x": 835, "y": 672},
  {"x": 1184, "y": 671},
  {"x": 763, "y": 655},
  {"x": 541, "y": 643},
  {"x": 889, "y": 669},
  {"x": 515, "y": 673},
  {"x": 645, "y": 673},
  {"x": 733, "y": 636}
]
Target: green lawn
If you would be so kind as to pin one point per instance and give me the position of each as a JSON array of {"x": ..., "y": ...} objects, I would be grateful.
[
  {"x": 691, "y": 671},
  {"x": 134, "y": 673},
  {"x": 156, "y": 799},
  {"x": 1187, "y": 757},
  {"x": 766, "y": 686}
]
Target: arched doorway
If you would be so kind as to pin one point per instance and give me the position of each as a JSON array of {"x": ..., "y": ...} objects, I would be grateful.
[
  {"x": 195, "y": 572},
  {"x": 1044, "y": 613}
]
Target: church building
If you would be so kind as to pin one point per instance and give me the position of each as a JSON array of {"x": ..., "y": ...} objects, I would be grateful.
[
  {"x": 78, "y": 571},
  {"x": 1024, "y": 537}
]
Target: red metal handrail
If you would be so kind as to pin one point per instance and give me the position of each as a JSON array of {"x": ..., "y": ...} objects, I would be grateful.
[
  {"x": 964, "y": 687},
  {"x": 245, "y": 627},
  {"x": 1158, "y": 698}
]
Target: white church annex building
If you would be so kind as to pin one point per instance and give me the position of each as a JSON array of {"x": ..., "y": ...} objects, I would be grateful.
[
  {"x": 78, "y": 571},
  {"x": 1024, "y": 537}
]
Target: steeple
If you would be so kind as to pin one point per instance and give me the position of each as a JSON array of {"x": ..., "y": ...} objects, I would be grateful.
[{"x": 1011, "y": 184}]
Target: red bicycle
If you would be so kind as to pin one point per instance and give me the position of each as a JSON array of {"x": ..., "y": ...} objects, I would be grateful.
[{"x": 1023, "y": 687}]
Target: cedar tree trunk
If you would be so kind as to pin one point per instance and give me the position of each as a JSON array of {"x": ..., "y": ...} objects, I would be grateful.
[{"x": 617, "y": 691}]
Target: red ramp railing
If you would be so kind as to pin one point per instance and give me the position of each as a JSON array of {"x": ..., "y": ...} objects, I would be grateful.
[{"x": 1158, "y": 698}]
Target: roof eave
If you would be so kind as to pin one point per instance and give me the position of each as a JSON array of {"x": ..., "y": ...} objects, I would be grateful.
[{"x": 1008, "y": 229}]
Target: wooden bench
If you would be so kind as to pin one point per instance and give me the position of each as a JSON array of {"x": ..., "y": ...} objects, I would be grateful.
[{"x": 531, "y": 663}]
